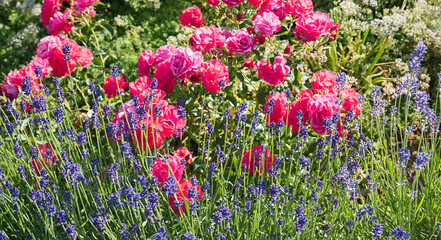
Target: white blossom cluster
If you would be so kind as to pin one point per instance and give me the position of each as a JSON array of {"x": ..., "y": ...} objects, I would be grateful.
[
  {"x": 121, "y": 21},
  {"x": 140, "y": 4},
  {"x": 27, "y": 35}
]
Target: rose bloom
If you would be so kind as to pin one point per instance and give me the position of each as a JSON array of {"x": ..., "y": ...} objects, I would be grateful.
[
  {"x": 299, "y": 7},
  {"x": 81, "y": 5},
  {"x": 213, "y": 72},
  {"x": 278, "y": 7},
  {"x": 164, "y": 75},
  {"x": 148, "y": 139},
  {"x": 192, "y": 17},
  {"x": 258, "y": 160},
  {"x": 196, "y": 76},
  {"x": 279, "y": 108},
  {"x": 112, "y": 85},
  {"x": 163, "y": 53},
  {"x": 232, "y": 3},
  {"x": 183, "y": 153},
  {"x": 139, "y": 85},
  {"x": 43, "y": 64},
  {"x": 10, "y": 90},
  {"x": 169, "y": 123},
  {"x": 257, "y": 3},
  {"x": 184, "y": 61},
  {"x": 321, "y": 107},
  {"x": 177, "y": 201},
  {"x": 312, "y": 25},
  {"x": 324, "y": 81},
  {"x": 204, "y": 39},
  {"x": 60, "y": 22},
  {"x": 167, "y": 166},
  {"x": 350, "y": 101},
  {"x": 272, "y": 74},
  {"x": 48, "y": 10},
  {"x": 214, "y": 2},
  {"x": 240, "y": 41},
  {"x": 50, "y": 48},
  {"x": 249, "y": 63},
  {"x": 301, "y": 103},
  {"x": 267, "y": 23},
  {"x": 145, "y": 62},
  {"x": 121, "y": 119}
]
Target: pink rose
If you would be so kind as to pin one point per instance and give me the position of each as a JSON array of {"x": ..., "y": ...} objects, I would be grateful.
[
  {"x": 192, "y": 17},
  {"x": 140, "y": 85},
  {"x": 301, "y": 103},
  {"x": 60, "y": 22},
  {"x": 324, "y": 82},
  {"x": 182, "y": 196},
  {"x": 232, "y": 3},
  {"x": 183, "y": 153},
  {"x": 214, "y": 2},
  {"x": 46, "y": 46},
  {"x": 167, "y": 166},
  {"x": 278, "y": 7},
  {"x": 196, "y": 77},
  {"x": 204, "y": 39},
  {"x": 43, "y": 64},
  {"x": 257, "y": 3},
  {"x": 164, "y": 75},
  {"x": 350, "y": 101},
  {"x": 275, "y": 107},
  {"x": 170, "y": 123},
  {"x": 258, "y": 160},
  {"x": 272, "y": 74},
  {"x": 112, "y": 85},
  {"x": 321, "y": 107},
  {"x": 163, "y": 53},
  {"x": 240, "y": 41},
  {"x": 267, "y": 23},
  {"x": 51, "y": 48},
  {"x": 214, "y": 75},
  {"x": 48, "y": 10},
  {"x": 145, "y": 62},
  {"x": 184, "y": 61},
  {"x": 299, "y": 7},
  {"x": 81, "y": 5},
  {"x": 10, "y": 90},
  {"x": 312, "y": 25}
]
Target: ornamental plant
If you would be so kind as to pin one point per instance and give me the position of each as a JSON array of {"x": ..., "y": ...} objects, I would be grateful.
[{"x": 215, "y": 139}]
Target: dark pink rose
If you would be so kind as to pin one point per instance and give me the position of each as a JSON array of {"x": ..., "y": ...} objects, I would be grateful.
[
  {"x": 321, "y": 107},
  {"x": 275, "y": 107},
  {"x": 167, "y": 166},
  {"x": 312, "y": 25},
  {"x": 350, "y": 101},
  {"x": 184, "y": 61},
  {"x": 205, "y": 39},
  {"x": 214, "y": 75},
  {"x": 240, "y": 41},
  {"x": 324, "y": 82},
  {"x": 278, "y": 7},
  {"x": 192, "y": 17},
  {"x": 232, "y": 3},
  {"x": 145, "y": 62},
  {"x": 299, "y": 7},
  {"x": 258, "y": 160},
  {"x": 164, "y": 75},
  {"x": 60, "y": 22},
  {"x": 48, "y": 10},
  {"x": 114, "y": 85},
  {"x": 272, "y": 74}
]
